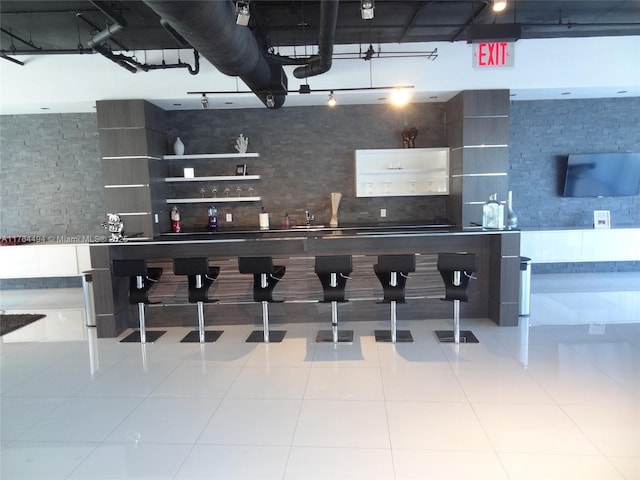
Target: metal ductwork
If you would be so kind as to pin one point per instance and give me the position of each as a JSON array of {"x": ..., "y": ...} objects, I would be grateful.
[
  {"x": 210, "y": 27},
  {"x": 321, "y": 63}
]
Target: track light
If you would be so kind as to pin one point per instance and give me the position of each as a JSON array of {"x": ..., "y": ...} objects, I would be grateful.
[
  {"x": 366, "y": 9},
  {"x": 242, "y": 12},
  {"x": 271, "y": 102},
  {"x": 499, "y": 5},
  {"x": 204, "y": 101},
  {"x": 331, "y": 101}
]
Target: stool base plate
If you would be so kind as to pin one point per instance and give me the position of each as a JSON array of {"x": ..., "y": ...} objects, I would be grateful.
[
  {"x": 152, "y": 336},
  {"x": 446, "y": 336},
  {"x": 275, "y": 336},
  {"x": 326, "y": 336},
  {"x": 210, "y": 336},
  {"x": 403, "y": 336}
]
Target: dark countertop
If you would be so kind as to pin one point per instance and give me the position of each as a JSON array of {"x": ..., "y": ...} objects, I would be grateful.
[{"x": 230, "y": 234}]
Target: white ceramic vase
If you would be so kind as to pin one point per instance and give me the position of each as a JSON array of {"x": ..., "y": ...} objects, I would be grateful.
[{"x": 178, "y": 147}]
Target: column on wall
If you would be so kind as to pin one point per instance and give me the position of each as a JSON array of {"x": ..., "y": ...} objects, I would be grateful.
[
  {"x": 132, "y": 143},
  {"x": 478, "y": 135}
]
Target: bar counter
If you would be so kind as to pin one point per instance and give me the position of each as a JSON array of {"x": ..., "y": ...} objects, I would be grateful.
[{"x": 494, "y": 294}]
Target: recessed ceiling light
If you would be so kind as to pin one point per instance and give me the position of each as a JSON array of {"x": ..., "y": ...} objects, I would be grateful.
[
  {"x": 177, "y": 104},
  {"x": 433, "y": 96},
  {"x": 45, "y": 108},
  {"x": 622, "y": 91},
  {"x": 513, "y": 94},
  {"x": 228, "y": 103},
  {"x": 565, "y": 93}
]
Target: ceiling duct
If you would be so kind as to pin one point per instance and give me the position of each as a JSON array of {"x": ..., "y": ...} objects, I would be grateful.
[
  {"x": 210, "y": 28},
  {"x": 321, "y": 63}
]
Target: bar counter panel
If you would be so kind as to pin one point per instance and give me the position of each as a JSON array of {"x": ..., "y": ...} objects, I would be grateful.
[{"x": 492, "y": 294}]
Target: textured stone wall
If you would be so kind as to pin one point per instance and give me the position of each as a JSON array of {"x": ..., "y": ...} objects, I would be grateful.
[
  {"x": 305, "y": 154},
  {"x": 50, "y": 182},
  {"x": 543, "y": 133},
  {"x": 50, "y": 173}
]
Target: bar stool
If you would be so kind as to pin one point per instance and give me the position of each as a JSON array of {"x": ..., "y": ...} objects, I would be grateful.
[
  {"x": 141, "y": 279},
  {"x": 393, "y": 271},
  {"x": 265, "y": 277},
  {"x": 200, "y": 277},
  {"x": 333, "y": 272},
  {"x": 457, "y": 270}
]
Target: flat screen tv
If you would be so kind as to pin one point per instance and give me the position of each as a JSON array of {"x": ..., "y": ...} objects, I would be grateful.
[{"x": 602, "y": 175}]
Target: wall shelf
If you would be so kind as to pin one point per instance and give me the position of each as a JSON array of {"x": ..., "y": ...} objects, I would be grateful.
[
  {"x": 217, "y": 178},
  {"x": 199, "y": 156},
  {"x": 213, "y": 200},
  {"x": 402, "y": 172}
]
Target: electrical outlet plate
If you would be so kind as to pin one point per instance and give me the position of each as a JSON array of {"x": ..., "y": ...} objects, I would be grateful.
[
  {"x": 229, "y": 217},
  {"x": 383, "y": 212}
]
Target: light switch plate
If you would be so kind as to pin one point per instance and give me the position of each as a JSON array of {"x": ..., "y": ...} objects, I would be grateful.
[
  {"x": 383, "y": 212},
  {"x": 229, "y": 217}
]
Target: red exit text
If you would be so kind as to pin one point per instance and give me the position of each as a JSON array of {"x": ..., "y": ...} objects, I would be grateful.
[{"x": 493, "y": 54}]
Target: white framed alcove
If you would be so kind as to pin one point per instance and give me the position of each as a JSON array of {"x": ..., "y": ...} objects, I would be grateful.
[{"x": 398, "y": 172}]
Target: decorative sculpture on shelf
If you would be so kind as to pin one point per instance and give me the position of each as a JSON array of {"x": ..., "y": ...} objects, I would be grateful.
[
  {"x": 242, "y": 143},
  {"x": 409, "y": 137},
  {"x": 335, "y": 204},
  {"x": 115, "y": 227}
]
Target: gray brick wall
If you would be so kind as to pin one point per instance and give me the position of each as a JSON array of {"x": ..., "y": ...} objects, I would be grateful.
[
  {"x": 543, "y": 133},
  {"x": 51, "y": 183},
  {"x": 306, "y": 153}
]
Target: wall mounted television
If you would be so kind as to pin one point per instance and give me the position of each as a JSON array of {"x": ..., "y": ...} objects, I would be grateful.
[{"x": 602, "y": 175}]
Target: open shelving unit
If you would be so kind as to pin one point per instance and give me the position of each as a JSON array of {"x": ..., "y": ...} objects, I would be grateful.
[{"x": 213, "y": 178}]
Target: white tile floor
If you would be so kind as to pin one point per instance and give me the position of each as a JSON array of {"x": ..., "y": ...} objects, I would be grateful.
[{"x": 558, "y": 398}]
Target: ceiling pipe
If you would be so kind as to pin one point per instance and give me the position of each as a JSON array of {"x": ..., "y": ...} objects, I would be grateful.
[
  {"x": 210, "y": 28},
  {"x": 321, "y": 63}
]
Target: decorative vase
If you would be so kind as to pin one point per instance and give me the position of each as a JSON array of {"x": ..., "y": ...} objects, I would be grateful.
[
  {"x": 512, "y": 218},
  {"x": 178, "y": 147},
  {"x": 335, "y": 204}
]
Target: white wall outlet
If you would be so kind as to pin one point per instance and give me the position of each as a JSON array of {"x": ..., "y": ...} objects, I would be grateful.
[
  {"x": 156, "y": 219},
  {"x": 229, "y": 217},
  {"x": 383, "y": 212}
]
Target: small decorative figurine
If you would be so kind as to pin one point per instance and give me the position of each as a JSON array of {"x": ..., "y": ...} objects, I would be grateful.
[
  {"x": 242, "y": 143},
  {"x": 409, "y": 137},
  {"x": 115, "y": 227}
]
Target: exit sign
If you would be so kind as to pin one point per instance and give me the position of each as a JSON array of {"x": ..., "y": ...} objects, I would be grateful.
[{"x": 493, "y": 54}]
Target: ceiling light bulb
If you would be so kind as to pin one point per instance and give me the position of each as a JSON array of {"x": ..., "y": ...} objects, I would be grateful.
[
  {"x": 331, "y": 101},
  {"x": 399, "y": 97},
  {"x": 204, "y": 101},
  {"x": 499, "y": 5}
]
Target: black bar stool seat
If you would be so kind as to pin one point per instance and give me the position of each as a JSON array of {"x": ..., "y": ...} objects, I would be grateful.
[
  {"x": 393, "y": 271},
  {"x": 333, "y": 272},
  {"x": 456, "y": 270},
  {"x": 200, "y": 277},
  {"x": 266, "y": 276},
  {"x": 141, "y": 280}
]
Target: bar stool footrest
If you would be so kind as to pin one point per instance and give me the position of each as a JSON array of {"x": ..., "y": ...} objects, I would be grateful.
[
  {"x": 152, "y": 336},
  {"x": 210, "y": 336},
  {"x": 446, "y": 336},
  {"x": 326, "y": 336},
  {"x": 275, "y": 336},
  {"x": 402, "y": 336}
]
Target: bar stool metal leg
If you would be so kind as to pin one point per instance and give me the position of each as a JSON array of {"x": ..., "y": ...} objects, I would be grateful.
[{"x": 265, "y": 320}]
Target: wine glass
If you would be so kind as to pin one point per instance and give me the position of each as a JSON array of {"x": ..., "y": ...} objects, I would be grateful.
[
  {"x": 214, "y": 191},
  {"x": 226, "y": 192},
  {"x": 239, "y": 191},
  {"x": 202, "y": 192}
]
